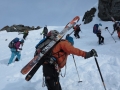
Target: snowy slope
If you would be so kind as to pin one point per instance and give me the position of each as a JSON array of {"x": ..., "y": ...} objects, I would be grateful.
[{"x": 108, "y": 59}]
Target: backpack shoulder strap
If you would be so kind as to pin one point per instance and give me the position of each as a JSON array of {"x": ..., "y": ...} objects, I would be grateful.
[{"x": 59, "y": 51}]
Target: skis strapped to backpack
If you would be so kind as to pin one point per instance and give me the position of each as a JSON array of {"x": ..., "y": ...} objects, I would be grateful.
[{"x": 37, "y": 61}]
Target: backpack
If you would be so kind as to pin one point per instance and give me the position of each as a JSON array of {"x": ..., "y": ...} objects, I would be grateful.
[
  {"x": 78, "y": 28},
  {"x": 13, "y": 42},
  {"x": 95, "y": 29},
  {"x": 116, "y": 25},
  {"x": 45, "y": 41},
  {"x": 45, "y": 31}
]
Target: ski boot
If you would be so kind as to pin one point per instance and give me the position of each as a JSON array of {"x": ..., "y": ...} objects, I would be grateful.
[{"x": 16, "y": 59}]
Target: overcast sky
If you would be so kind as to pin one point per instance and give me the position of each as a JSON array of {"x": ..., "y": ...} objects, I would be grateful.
[{"x": 41, "y": 12}]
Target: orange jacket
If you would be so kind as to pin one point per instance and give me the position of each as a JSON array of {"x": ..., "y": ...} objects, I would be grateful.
[{"x": 67, "y": 49}]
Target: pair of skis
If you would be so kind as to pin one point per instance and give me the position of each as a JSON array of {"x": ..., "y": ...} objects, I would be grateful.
[{"x": 34, "y": 64}]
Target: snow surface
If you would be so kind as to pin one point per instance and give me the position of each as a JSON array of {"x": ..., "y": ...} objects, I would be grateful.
[{"x": 108, "y": 59}]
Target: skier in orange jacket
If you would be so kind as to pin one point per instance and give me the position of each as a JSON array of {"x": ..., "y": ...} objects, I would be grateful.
[{"x": 59, "y": 54}]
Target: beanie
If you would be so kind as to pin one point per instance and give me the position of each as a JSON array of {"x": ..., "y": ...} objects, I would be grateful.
[
  {"x": 22, "y": 41},
  {"x": 100, "y": 24},
  {"x": 70, "y": 39}
]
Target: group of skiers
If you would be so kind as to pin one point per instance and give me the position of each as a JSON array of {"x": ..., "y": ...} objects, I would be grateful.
[
  {"x": 98, "y": 27},
  {"x": 76, "y": 31},
  {"x": 59, "y": 53}
]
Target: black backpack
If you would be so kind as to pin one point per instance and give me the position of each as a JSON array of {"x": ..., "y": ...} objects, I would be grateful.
[
  {"x": 78, "y": 28},
  {"x": 45, "y": 31},
  {"x": 95, "y": 29}
]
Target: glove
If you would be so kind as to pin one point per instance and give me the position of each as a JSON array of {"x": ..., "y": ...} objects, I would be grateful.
[
  {"x": 106, "y": 27},
  {"x": 90, "y": 54},
  {"x": 20, "y": 48}
]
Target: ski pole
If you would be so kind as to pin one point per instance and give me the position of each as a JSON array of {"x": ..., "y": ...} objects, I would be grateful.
[
  {"x": 110, "y": 34},
  {"x": 76, "y": 69},
  {"x": 81, "y": 31},
  {"x": 100, "y": 72},
  {"x": 71, "y": 32}
]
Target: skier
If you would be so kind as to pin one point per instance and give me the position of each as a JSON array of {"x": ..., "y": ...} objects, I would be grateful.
[
  {"x": 76, "y": 31},
  {"x": 116, "y": 27},
  {"x": 25, "y": 34},
  {"x": 98, "y": 29},
  {"x": 15, "y": 51},
  {"x": 59, "y": 56},
  {"x": 45, "y": 31}
]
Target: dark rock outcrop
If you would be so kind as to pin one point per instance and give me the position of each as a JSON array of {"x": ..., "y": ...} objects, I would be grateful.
[
  {"x": 19, "y": 28},
  {"x": 88, "y": 16},
  {"x": 108, "y": 9}
]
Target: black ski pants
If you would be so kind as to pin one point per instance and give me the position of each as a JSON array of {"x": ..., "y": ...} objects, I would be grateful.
[
  {"x": 100, "y": 38},
  {"x": 44, "y": 35},
  {"x": 24, "y": 36},
  {"x": 51, "y": 77},
  {"x": 76, "y": 34}
]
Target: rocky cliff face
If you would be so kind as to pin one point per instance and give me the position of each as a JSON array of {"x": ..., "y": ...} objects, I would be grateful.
[
  {"x": 108, "y": 8},
  {"x": 88, "y": 16}
]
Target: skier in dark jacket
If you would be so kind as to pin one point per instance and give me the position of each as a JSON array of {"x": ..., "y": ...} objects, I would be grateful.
[
  {"x": 116, "y": 27},
  {"x": 76, "y": 31},
  {"x": 53, "y": 64},
  {"x": 100, "y": 37},
  {"x": 45, "y": 31}
]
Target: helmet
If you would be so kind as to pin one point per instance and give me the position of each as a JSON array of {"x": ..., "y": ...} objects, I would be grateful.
[
  {"x": 70, "y": 39},
  {"x": 100, "y": 24},
  {"x": 52, "y": 33},
  {"x": 22, "y": 41}
]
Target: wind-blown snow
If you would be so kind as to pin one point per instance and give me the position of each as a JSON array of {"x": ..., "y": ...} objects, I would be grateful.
[{"x": 108, "y": 59}]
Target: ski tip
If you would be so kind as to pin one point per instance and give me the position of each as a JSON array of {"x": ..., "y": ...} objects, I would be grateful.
[
  {"x": 23, "y": 72},
  {"x": 77, "y": 18},
  {"x": 28, "y": 77}
]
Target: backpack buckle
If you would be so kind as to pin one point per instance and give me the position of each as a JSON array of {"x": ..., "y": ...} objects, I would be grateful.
[{"x": 52, "y": 60}]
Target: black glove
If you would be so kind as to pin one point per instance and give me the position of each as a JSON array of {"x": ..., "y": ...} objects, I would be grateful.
[
  {"x": 20, "y": 48},
  {"x": 91, "y": 53},
  {"x": 106, "y": 27}
]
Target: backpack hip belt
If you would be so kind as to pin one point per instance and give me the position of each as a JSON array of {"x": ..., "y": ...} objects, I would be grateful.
[{"x": 53, "y": 61}]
